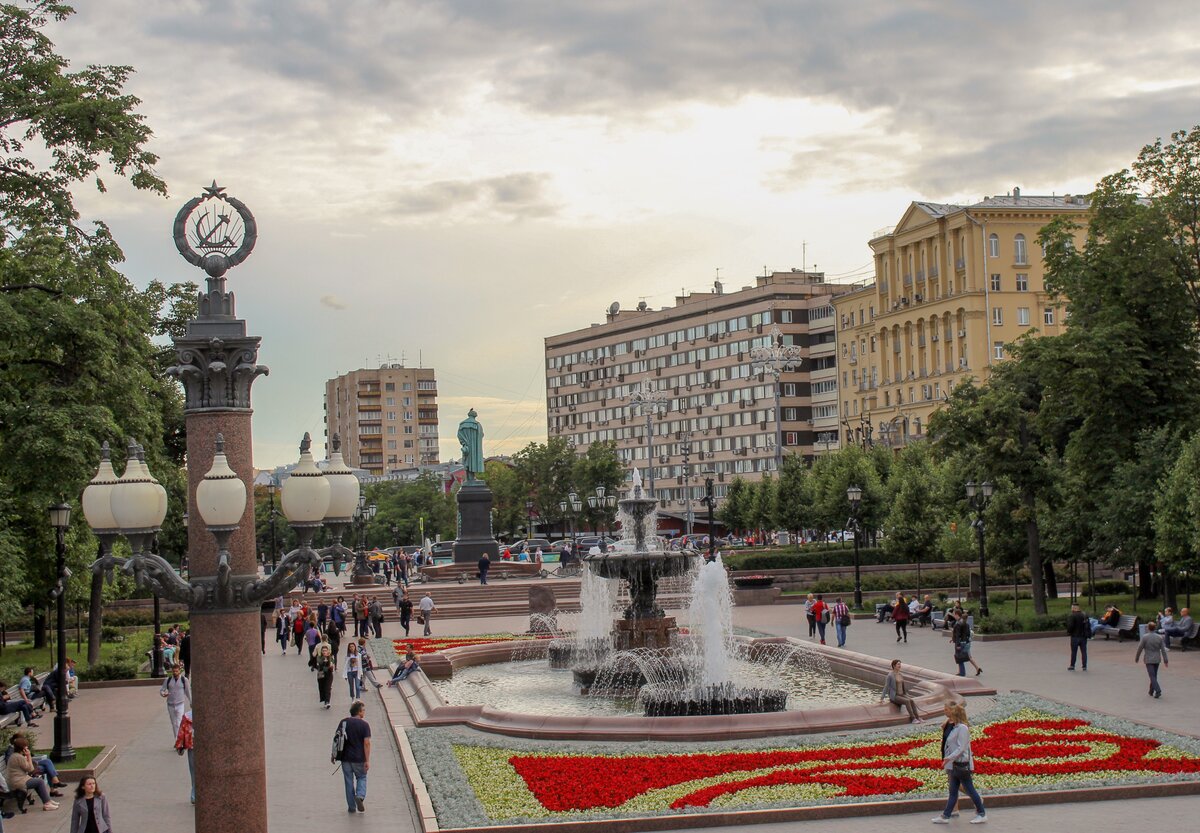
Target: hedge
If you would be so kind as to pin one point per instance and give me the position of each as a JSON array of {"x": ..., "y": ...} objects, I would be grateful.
[{"x": 805, "y": 559}]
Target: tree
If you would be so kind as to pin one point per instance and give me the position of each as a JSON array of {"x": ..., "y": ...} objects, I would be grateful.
[
  {"x": 509, "y": 495},
  {"x": 833, "y": 474},
  {"x": 735, "y": 511},
  {"x": 916, "y": 518},
  {"x": 763, "y": 506},
  {"x": 1176, "y": 530},
  {"x": 547, "y": 472},
  {"x": 599, "y": 466},
  {"x": 794, "y": 496}
]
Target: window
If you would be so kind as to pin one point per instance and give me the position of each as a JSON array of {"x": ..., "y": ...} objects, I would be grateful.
[
  {"x": 408, "y": 443},
  {"x": 1023, "y": 316},
  {"x": 408, "y": 429},
  {"x": 391, "y": 443},
  {"x": 997, "y": 315},
  {"x": 998, "y": 350},
  {"x": 407, "y": 401},
  {"x": 391, "y": 415},
  {"x": 389, "y": 386},
  {"x": 391, "y": 400},
  {"x": 1020, "y": 255},
  {"x": 1048, "y": 316},
  {"x": 391, "y": 429},
  {"x": 994, "y": 246},
  {"x": 1022, "y": 283},
  {"x": 408, "y": 416},
  {"x": 995, "y": 283},
  {"x": 405, "y": 386}
]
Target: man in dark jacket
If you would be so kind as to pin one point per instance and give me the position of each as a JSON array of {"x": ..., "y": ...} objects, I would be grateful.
[
  {"x": 1079, "y": 629},
  {"x": 485, "y": 564}
]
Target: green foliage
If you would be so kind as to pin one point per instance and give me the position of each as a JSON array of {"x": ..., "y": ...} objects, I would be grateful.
[
  {"x": 916, "y": 518},
  {"x": 793, "y": 502},
  {"x": 403, "y": 504},
  {"x": 1176, "y": 531},
  {"x": 807, "y": 559},
  {"x": 1106, "y": 587},
  {"x": 114, "y": 669},
  {"x": 832, "y": 474},
  {"x": 736, "y": 511}
]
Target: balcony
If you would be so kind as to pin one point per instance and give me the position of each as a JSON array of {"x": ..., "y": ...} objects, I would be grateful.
[
  {"x": 908, "y": 279},
  {"x": 961, "y": 264},
  {"x": 920, "y": 274},
  {"x": 933, "y": 271}
]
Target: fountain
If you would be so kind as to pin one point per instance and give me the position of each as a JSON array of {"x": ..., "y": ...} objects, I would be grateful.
[{"x": 642, "y": 653}]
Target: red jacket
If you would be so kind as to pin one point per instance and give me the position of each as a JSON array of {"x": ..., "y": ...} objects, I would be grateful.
[{"x": 819, "y": 607}]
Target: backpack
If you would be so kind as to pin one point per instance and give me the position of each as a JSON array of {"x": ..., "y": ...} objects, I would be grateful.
[{"x": 339, "y": 742}]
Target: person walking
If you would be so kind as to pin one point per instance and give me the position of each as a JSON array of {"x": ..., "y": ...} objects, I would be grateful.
[
  {"x": 90, "y": 813},
  {"x": 368, "y": 665},
  {"x": 178, "y": 693},
  {"x": 362, "y": 616},
  {"x": 311, "y": 637},
  {"x": 900, "y": 616},
  {"x": 1152, "y": 646},
  {"x": 405, "y": 606},
  {"x": 808, "y": 614},
  {"x": 184, "y": 743},
  {"x": 375, "y": 611},
  {"x": 960, "y": 639},
  {"x": 485, "y": 564},
  {"x": 325, "y": 666},
  {"x": 428, "y": 608},
  {"x": 841, "y": 621},
  {"x": 335, "y": 639},
  {"x": 959, "y": 764},
  {"x": 283, "y": 631},
  {"x": 821, "y": 612},
  {"x": 353, "y": 670},
  {"x": 1079, "y": 630},
  {"x": 356, "y": 757},
  {"x": 896, "y": 691}
]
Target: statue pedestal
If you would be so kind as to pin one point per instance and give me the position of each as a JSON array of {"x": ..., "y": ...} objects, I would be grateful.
[
  {"x": 475, "y": 524},
  {"x": 644, "y": 633}
]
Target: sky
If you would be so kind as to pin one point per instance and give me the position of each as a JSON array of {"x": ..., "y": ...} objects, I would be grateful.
[{"x": 448, "y": 182}]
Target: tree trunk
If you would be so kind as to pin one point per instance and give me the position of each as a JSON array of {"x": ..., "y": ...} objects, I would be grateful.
[
  {"x": 1035, "y": 553},
  {"x": 1051, "y": 580},
  {"x": 95, "y": 618},
  {"x": 1146, "y": 589},
  {"x": 39, "y": 628}
]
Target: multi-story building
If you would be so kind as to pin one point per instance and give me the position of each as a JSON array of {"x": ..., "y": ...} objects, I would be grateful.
[
  {"x": 697, "y": 353},
  {"x": 954, "y": 284},
  {"x": 387, "y": 417}
]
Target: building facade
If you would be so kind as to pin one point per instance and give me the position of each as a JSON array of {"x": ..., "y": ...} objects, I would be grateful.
[
  {"x": 387, "y": 417},
  {"x": 954, "y": 284},
  {"x": 720, "y": 415}
]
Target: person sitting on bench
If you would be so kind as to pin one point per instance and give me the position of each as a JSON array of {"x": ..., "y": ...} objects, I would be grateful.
[
  {"x": 1109, "y": 621},
  {"x": 19, "y": 706},
  {"x": 924, "y": 611},
  {"x": 1181, "y": 628}
]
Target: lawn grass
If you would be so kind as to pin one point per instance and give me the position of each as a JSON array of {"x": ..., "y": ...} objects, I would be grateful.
[
  {"x": 23, "y": 654},
  {"x": 84, "y": 755}
]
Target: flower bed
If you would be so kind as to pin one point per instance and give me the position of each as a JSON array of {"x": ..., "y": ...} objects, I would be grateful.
[
  {"x": 746, "y": 582},
  {"x": 1021, "y": 744}
]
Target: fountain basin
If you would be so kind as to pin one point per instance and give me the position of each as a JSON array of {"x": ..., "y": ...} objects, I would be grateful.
[{"x": 427, "y": 707}]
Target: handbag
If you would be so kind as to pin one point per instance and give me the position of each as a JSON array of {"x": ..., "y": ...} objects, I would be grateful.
[
  {"x": 962, "y": 652},
  {"x": 962, "y": 769}
]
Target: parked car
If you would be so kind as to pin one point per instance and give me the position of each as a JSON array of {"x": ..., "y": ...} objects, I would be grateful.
[
  {"x": 529, "y": 543},
  {"x": 586, "y": 542},
  {"x": 442, "y": 552}
]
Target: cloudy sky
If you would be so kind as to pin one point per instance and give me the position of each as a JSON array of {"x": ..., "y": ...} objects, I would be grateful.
[{"x": 450, "y": 182}]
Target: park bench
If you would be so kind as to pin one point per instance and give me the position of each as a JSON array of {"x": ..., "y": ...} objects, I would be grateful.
[
  {"x": 886, "y": 610},
  {"x": 1127, "y": 626},
  {"x": 14, "y": 694},
  {"x": 22, "y": 798},
  {"x": 1193, "y": 636},
  {"x": 939, "y": 620}
]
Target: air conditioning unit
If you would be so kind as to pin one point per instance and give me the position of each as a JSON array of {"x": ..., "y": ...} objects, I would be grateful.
[
  {"x": 927, "y": 391},
  {"x": 962, "y": 362},
  {"x": 674, "y": 345},
  {"x": 809, "y": 421},
  {"x": 962, "y": 333},
  {"x": 637, "y": 354},
  {"x": 762, "y": 426},
  {"x": 935, "y": 337},
  {"x": 918, "y": 297},
  {"x": 663, "y": 458}
]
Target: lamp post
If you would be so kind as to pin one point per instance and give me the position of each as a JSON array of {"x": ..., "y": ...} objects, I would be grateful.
[
  {"x": 60, "y": 520},
  {"x": 709, "y": 501},
  {"x": 854, "y": 495},
  {"x": 528, "y": 519},
  {"x": 604, "y": 504},
  {"x": 363, "y": 513},
  {"x": 651, "y": 402},
  {"x": 271, "y": 487},
  {"x": 570, "y": 509},
  {"x": 774, "y": 358},
  {"x": 978, "y": 496},
  {"x": 685, "y": 449}
]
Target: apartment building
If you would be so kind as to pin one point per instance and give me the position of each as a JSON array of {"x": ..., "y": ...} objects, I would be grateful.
[
  {"x": 954, "y": 284},
  {"x": 387, "y": 417},
  {"x": 697, "y": 353}
]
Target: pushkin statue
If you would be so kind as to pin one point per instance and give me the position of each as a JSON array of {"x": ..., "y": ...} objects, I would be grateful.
[{"x": 470, "y": 437}]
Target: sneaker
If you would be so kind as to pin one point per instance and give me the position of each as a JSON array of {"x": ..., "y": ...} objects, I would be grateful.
[
  {"x": 50, "y": 805},
  {"x": 979, "y": 819},
  {"x": 1157, "y": 695},
  {"x": 1070, "y": 667},
  {"x": 358, "y": 802},
  {"x": 940, "y": 820},
  {"x": 917, "y": 720}
]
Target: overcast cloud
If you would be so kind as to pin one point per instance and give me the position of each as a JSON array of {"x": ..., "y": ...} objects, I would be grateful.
[{"x": 453, "y": 181}]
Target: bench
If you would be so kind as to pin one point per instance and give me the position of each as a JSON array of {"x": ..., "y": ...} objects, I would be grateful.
[
  {"x": 14, "y": 695},
  {"x": 885, "y": 610},
  {"x": 1127, "y": 626},
  {"x": 939, "y": 620},
  {"x": 1192, "y": 636}
]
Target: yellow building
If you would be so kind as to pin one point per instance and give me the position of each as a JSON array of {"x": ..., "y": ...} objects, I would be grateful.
[{"x": 953, "y": 285}]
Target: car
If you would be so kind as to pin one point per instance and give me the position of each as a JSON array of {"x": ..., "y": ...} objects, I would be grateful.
[
  {"x": 586, "y": 542},
  {"x": 529, "y": 543}
]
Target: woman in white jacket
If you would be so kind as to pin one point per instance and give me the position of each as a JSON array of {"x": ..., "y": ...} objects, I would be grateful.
[{"x": 959, "y": 764}]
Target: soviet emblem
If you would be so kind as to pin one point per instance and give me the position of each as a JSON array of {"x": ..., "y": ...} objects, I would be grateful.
[{"x": 215, "y": 231}]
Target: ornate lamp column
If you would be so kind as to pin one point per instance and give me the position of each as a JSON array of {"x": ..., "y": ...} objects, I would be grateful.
[
  {"x": 774, "y": 359},
  {"x": 651, "y": 402}
]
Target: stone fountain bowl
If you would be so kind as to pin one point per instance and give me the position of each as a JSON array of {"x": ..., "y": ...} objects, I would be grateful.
[
  {"x": 703, "y": 700},
  {"x": 616, "y": 565}
]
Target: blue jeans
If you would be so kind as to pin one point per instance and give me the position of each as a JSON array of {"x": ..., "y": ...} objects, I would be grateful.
[
  {"x": 355, "y": 777},
  {"x": 841, "y": 633},
  {"x": 968, "y": 786},
  {"x": 355, "y": 685},
  {"x": 821, "y": 630},
  {"x": 1079, "y": 645},
  {"x": 1152, "y": 670},
  {"x": 47, "y": 766},
  {"x": 192, "y": 772}
]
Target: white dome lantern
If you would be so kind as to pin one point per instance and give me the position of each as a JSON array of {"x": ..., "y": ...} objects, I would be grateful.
[
  {"x": 221, "y": 495},
  {"x": 343, "y": 486},
  {"x": 97, "y": 496},
  {"x": 160, "y": 512},
  {"x": 306, "y": 492},
  {"x": 134, "y": 499}
]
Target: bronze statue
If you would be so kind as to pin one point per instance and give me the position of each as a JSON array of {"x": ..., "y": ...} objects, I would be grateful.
[{"x": 470, "y": 437}]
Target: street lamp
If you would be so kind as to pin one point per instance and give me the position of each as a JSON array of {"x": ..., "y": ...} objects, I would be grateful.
[
  {"x": 570, "y": 509},
  {"x": 774, "y": 358},
  {"x": 60, "y": 520},
  {"x": 709, "y": 501},
  {"x": 854, "y": 495},
  {"x": 603, "y": 503},
  {"x": 651, "y": 402},
  {"x": 978, "y": 496},
  {"x": 271, "y": 487},
  {"x": 528, "y": 519},
  {"x": 361, "y": 573}
]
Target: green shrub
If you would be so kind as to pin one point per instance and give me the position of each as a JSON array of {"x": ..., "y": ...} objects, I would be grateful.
[
  {"x": 115, "y": 669},
  {"x": 1005, "y": 596},
  {"x": 11, "y": 729},
  {"x": 1107, "y": 587},
  {"x": 999, "y": 624},
  {"x": 836, "y": 557},
  {"x": 1049, "y": 622},
  {"x": 111, "y": 633},
  {"x": 139, "y": 616}
]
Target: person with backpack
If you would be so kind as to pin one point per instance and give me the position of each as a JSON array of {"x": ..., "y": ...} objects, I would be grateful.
[
  {"x": 352, "y": 748},
  {"x": 178, "y": 693},
  {"x": 841, "y": 621},
  {"x": 821, "y": 613}
]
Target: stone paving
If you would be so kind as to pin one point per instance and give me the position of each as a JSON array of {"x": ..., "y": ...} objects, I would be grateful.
[{"x": 148, "y": 782}]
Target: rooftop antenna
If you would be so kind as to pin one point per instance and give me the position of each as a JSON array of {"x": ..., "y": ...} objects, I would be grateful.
[{"x": 804, "y": 256}]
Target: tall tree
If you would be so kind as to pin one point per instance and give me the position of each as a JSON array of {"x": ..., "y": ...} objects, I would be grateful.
[
  {"x": 794, "y": 496},
  {"x": 736, "y": 510},
  {"x": 916, "y": 518}
]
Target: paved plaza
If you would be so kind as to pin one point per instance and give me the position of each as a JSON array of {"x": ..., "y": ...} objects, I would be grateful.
[{"x": 148, "y": 782}]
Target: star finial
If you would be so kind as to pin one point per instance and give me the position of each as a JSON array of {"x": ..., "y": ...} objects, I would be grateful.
[{"x": 214, "y": 190}]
